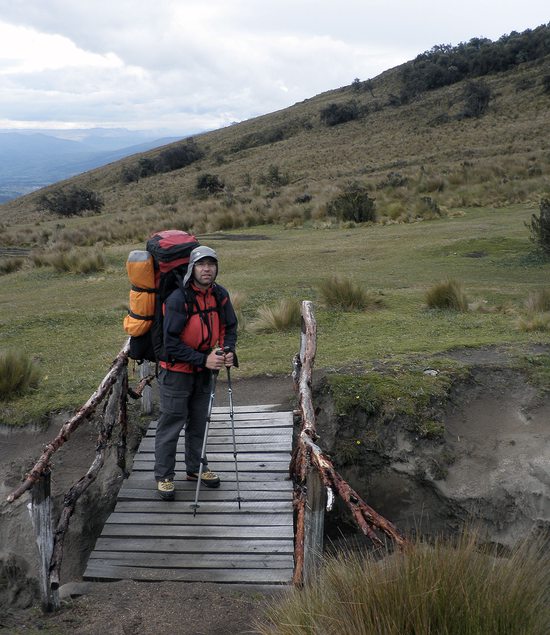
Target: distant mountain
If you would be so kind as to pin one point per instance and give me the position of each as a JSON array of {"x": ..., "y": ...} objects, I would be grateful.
[{"x": 31, "y": 160}]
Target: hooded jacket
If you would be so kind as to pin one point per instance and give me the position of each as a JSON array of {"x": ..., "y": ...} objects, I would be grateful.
[{"x": 195, "y": 321}]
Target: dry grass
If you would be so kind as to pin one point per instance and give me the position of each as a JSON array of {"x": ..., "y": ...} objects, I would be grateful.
[
  {"x": 538, "y": 322},
  {"x": 9, "y": 265},
  {"x": 72, "y": 261},
  {"x": 18, "y": 374},
  {"x": 283, "y": 316},
  {"x": 346, "y": 295},
  {"x": 459, "y": 588},
  {"x": 447, "y": 295},
  {"x": 538, "y": 301}
]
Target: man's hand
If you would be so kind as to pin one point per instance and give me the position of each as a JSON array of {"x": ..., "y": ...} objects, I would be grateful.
[
  {"x": 228, "y": 359},
  {"x": 215, "y": 360}
]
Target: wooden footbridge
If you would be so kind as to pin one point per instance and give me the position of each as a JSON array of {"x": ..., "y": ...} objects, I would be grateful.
[
  {"x": 276, "y": 536},
  {"x": 146, "y": 538}
]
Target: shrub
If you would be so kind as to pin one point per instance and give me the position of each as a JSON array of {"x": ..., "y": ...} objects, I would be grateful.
[
  {"x": 447, "y": 295},
  {"x": 477, "y": 96},
  {"x": 447, "y": 587},
  {"x": 546, "y": 84},
  {"x": 335, "y": 114},
  {"x": 71, "y": 202},
  {"x": 18, "y": 374},
  {"x": 9, "y": 265},
  {"x": 282, "y": 317},
  {"x": 346, "y": 295},
  {"x": 209, "y": 183},
  {"x": 179, "y": 156},
  {"x": 539, "y": 227},
  {"x": 353, "y": 204},
  {"x": 274, "y": 177}
]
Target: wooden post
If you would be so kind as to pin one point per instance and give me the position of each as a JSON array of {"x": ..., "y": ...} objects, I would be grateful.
[
  {"x": 314, "y": 525},
  {"x": 146, "y": 395},
  {"x": 40, "y": 509}
]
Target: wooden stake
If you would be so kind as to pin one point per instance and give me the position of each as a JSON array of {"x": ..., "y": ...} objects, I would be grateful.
[{"x": 40, "y": 509}]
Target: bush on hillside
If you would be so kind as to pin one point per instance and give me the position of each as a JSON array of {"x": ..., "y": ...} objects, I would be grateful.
[
  {"x": 546, "y": 84},
  {"x": 447, "y": 295},
  {"x": 9, "y": 265},
  {"x": 335, "y": 114},
  {"x": 71, "y": 202},
  {"x": 173, "y": 158},
  {"x": 477, "y": 96},
  {"x": 178, "y": 156},
  {"x": 445, "y": 64},
  {"x": 353, "y": 204},
  {"x": 18, "y": 374},
  {"x": 539, "y": 227},
  {"x": 274, "y": 177},
  {"x": 209, "y": 183}
]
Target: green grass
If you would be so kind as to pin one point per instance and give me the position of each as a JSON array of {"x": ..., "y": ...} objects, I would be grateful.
[
  {"x": 72, "y": 323},
  {"x": 442, "y": 588}
]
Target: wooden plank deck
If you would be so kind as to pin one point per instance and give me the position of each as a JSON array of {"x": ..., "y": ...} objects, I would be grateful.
[{"x": 146, "y": 538}]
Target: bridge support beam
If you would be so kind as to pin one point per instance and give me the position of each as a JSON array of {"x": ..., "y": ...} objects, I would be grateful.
[{"x": 314, "y": 524}]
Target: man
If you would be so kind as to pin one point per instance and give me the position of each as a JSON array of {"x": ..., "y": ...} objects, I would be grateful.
[{"x": 200, "y": 334}]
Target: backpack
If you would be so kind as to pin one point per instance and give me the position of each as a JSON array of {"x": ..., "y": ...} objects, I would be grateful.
[{"x": 154, "y": 273}]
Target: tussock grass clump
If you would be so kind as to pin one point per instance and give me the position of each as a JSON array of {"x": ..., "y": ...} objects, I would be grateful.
[
  {"x": 535, "y": 322},
  {"x": 447, "y": 295},
  {"x": 9, "y": 265},
  {"x": 539, "y": 301},
  {"x": 442, "y": 588},
  {"x": 346, "y": 295},
  {"x": 283, "y": 316},
  {"x": 73, "y": 261},
  {"x": 238, "y": 300},
  {"x": 18, "y": 374}
]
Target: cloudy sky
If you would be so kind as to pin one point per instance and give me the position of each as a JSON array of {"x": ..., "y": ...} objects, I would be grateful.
[{"x": 181, "y": 66}]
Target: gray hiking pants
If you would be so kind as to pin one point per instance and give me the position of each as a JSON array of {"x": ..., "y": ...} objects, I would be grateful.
[{"x": 184, "y": 399}]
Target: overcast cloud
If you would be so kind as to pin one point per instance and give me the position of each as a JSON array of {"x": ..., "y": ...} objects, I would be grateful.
[{"x": 181, "y": 66}]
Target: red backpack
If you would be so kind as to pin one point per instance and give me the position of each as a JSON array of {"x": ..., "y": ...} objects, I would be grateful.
[{"x": 154, "y": 274}]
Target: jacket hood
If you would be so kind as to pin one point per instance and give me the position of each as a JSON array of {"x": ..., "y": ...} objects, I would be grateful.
[{"x": 198, "y": 254}]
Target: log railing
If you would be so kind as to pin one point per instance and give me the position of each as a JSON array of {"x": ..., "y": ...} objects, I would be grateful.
[
  {"x": 114, "y": 391},
  {"x": 315, "y": 479}
]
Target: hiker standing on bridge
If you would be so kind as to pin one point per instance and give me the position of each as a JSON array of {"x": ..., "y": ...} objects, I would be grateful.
[{"x": 199, "y": 324}]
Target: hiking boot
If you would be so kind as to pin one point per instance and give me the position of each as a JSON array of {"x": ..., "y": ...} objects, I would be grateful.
[
  {"x": 208, "y": 478},
  {"x": 166, "y": 489}
]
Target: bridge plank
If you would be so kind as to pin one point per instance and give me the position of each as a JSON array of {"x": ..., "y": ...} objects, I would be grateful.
[
  {"x": 194, "y": 561},
  {"x": 185, "y": 517},
  {"x": 216, "y": 506},
  {"x": 194, "y": 545},
  {"x": 221, "y": 495},
  {"x": 251, "y": 576},
  {"x": 186, "y": 531}
]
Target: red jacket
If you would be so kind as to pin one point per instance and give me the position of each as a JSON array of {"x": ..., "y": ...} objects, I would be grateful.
[{"x": 194, "y": 325}]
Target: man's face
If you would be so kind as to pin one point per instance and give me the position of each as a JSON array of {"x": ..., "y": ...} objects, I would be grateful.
[{"x": 204, "y": 272}]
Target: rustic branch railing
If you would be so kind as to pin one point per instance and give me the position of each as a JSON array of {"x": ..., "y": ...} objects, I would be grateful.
[
  {"x": 50, "y": 543},
  {"x": 314, "y": 476}
]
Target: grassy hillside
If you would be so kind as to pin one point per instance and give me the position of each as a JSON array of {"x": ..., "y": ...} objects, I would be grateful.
[{"x": 452, "y": 196}]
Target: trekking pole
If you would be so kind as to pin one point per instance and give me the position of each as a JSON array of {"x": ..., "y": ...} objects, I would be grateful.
[
  {"x": 205, "y": 438},
  {"x": 232, "y": 417}
]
